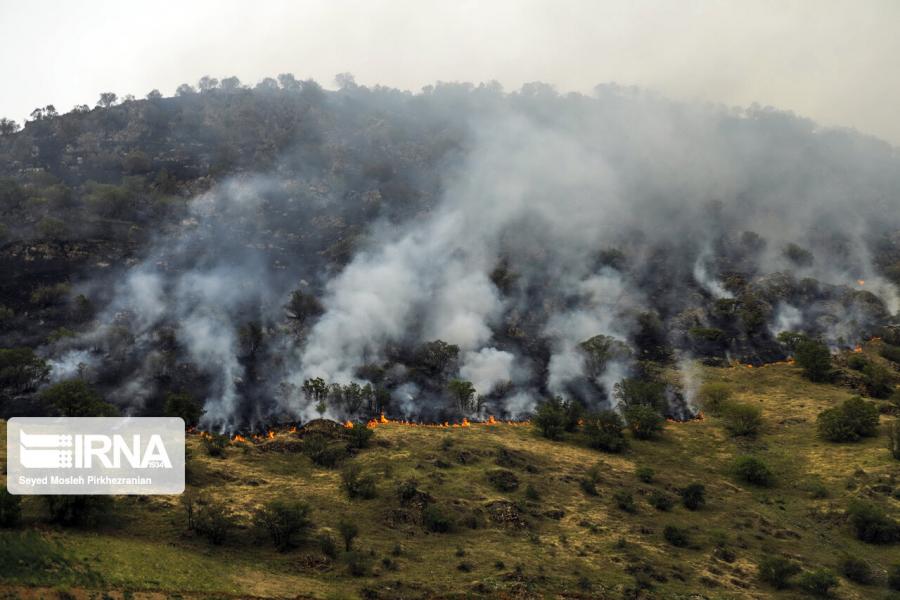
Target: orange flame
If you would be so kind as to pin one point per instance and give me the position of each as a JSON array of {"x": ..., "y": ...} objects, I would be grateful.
[
  {"x": 238, "y": 439},
  {"x": 271, "y": 435},
  {"x": 348, "y": 424},
  {"x": 293, "y": 429},
  {"x": 491, "y": 420},
  {"x": 861, "y": 281},
  {"x": 858, "y": 348}
]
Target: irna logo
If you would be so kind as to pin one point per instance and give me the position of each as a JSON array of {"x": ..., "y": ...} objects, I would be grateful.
[{"x": 49, "y": 451}]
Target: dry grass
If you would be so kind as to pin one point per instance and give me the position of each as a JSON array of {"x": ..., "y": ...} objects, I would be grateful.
[{"x": 146, "y": 546}]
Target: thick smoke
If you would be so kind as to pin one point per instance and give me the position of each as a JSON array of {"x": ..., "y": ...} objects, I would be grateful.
[{"x": 554, "y": 219}]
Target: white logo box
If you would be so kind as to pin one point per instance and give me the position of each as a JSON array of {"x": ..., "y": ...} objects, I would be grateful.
[{"x": 95, "y": 455}]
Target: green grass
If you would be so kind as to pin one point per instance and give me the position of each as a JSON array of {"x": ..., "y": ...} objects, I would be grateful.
[{"x": 145, "y": 546}]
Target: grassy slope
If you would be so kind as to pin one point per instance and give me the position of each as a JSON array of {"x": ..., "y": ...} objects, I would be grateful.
[{"x": 146, "y": 547}]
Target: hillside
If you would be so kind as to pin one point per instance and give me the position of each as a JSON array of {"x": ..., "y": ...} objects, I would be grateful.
[{"x": 547, "y": 538}]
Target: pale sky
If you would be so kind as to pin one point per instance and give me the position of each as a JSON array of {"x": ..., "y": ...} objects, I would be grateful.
[{"x": 837, "y": 62}]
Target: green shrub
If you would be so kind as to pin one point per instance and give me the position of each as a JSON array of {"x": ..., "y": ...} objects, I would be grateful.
[
  {"x": 321, "y": 452},
  {"x": 676, "y": 536},
  {"x": 327, "y": 545},
  {"x": 588, "y": 483},
  {"x": 348, "y": 530},
  {"x": 661, "y": 500},
  {"x": 856, "y": 570},
  {"x": 743, "y": 420},
  {"x": 890, "y": 352},
  {"x": 436, "y": 520},
  {"x": 818, "y": 582},
  {"x": 777, "y": 571},
  {"x": 184, "y": 406},
  {"x": 879, "y": 381},
  {"x": 551, "y": 418},
  {"x": 870, "y": 524},
  {"x": 532, "y": 493},
  {"x": 815, "y": 360},
  {"x": 359, "y": 436},
  {"x": 358, "y": 484},
  {"x": 693, "y": 496},
  {"x": 75, "y": 398},
  {"x": 754, "y": 471},
  {"x": 857, "y": 362},
  {"x": 645, "y": 474},
  {"x": 894, "y": 438},
  {"x": 604, "y": 431},
  {"x": 214, "y": 521},
  {"x": 644, "y": 421},
  {"x": 285, "y": 521},
  {"x": 10, "y": 508},
  {"x": 849, "y": 422},
  {"x": 625, "y": 501},
  {"x": 21, "y": 370},
  {"x": 358, "y": 563},
  {"x": 713, "y": 396}
]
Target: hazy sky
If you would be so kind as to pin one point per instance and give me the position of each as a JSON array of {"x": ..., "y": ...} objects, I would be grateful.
[{"x": 837, "y": 62}]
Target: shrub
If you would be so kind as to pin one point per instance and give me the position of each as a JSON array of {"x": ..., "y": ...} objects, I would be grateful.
[
  {"x": 693, "y": 496},
  {"x": 856, "y": 569},
  {"x": 870, "y": 523},
  {"x": 503, "y": 480},
  {"x": 645, "y": 474},
  {"x": 436, "y": 520},
  {"x": 327, "y": 545},
  {"x": 284, "y": 521},
  {"x": 550, "y": 418},
  {"x": 777, "y": 571},
  {"x": 893, "y": 579},
  {"x": 849, "y": 422},
  {"x": 78, "y": 510},
  {"x": 754, "y": 471},
  {"x": 214, "y": 444},
  {"x": 358, "y": 563},
  {"x": 890, "y": 352},
  {"x": 857, "y": 362},
  {"x": 743, "y": 420},
  {"x": 348, "y": 530},
  {"x": 661, "y": 501},
  {"x": 588, "y": 483},
  {"x": 818, "y": 582},
  {"x": 184, "y": 406},
  {"x": 625, "y": 501},
  {"x": 10, "y": 508},
  {"x": 214, "y": 521},
  {"x": 75, "y": 398},
  {"x": 573, "y": 413},
  {"x": 815, "y": 360},
  {"x": 676, "y": 536},
  {"x": 323, "y": 454},
  {"x": 879, "y": 381},
  {"x": 645, "y": 423},
  {"x": 713, "y": 396},
  {"x": 894, "y": 438},
  {"x": 532, "y": 493},
  {"x": 21, "y": 370},
  {"x": 604, "y": 431},
  {"x": 358, "y": 484},
  {"x": 359, "y": 436}
]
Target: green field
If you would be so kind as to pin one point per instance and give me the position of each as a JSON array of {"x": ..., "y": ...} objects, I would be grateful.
[{"x": 558, "y": 543}]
